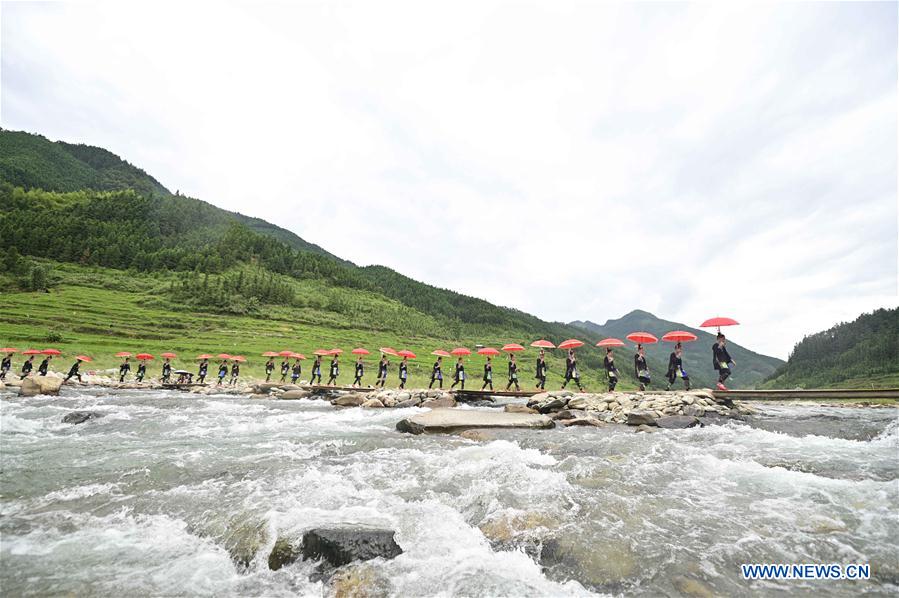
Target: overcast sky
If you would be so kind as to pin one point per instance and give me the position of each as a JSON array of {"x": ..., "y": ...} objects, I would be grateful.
[{"x": 573, "y": 161}]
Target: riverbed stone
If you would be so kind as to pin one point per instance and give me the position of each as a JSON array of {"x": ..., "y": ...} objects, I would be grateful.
[
  {"x": 442, "y": 421},
  {"x": 40, "y": 385},
  {"x": 518, "y": 408},
  {"x": 413, "y": 402},
  {"x": 79, "y": 417},
  {"x": 349, "y": 400},
  {"x": 284, "y": 552},
  {"x": 442, "y": 402},
  {"x": 677, "y": 422},
  {"x": 550, "y": 406},
  {"x": 373, "y": 404},
  {"x": 582, "y": 421},
  {"x": 294, "y": 394},
  {"x": 637, "y": 418},
  {"x": 358, "y": 580},
  {"x": 339, "y": 546}
]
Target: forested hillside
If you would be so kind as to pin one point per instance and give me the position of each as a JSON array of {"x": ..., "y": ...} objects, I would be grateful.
[{"x": 863, "y": 353}]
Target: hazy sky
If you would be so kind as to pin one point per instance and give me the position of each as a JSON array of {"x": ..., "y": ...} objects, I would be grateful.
[{"x": 571, "y": 160}]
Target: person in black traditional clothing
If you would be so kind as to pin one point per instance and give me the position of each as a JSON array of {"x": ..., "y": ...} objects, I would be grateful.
[
  {"x": 541, "y": 370},
  {"x": 141, "y": 370},
  {"x": 166, "y": 371},
  {"x": 360, "y": 370},
  {"x": 334, "y": 372},
  {"x": 513, "y": 373},
  {"x": 316, "y": 370},
  {"x": 676, "y": 368},
  {"x": 285, "y": 369},
  {"x": 437, "y": 373},
  {"x": 5, "y": 366},
  {"x": 124, "y": 369},
  {"x": 27, "y": 367},
  {"x": 459, "y": 376},
  {"x": 488, "y": 374},
  {"x": 44, "y": 366},
  {"x": 571, "y": 372},
  {"x": 611, "y": 371},
  {"x": 641, "y": 369},
  {"x": 201, "y": 373},
  {"x": 269, "y": 368},
  {"x": 295, "y": 371},
  {"x": 74, "y": 371},
  {"x": 382, "y": 371},
  {"x": 235, "y": 373},
  {"x": 404, "y": 371},
  {"x": 223, "y": 371},
  {"x": 721, "y": 360}
]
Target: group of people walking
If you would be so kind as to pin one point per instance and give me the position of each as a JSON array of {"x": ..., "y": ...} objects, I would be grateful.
[{"x": 721, "y": 359}]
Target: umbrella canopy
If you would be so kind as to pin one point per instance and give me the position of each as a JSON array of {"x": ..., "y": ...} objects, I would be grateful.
[
  {"x": 321, "y": 352},
  {"x": 512, "y": 347},
  {"x": 459, "y": 351},
  {"x": 9, "y": 350},
  {"x": 83, "y": 358},
  {"x": 359, "y": 351},
  {"x": 297, "y": 356},
  {"x": 275, "y": 354},
  {"x": 543, "y": 344},
  {"x": 610, "y": 342},
  {"x": 488, "y": 351},
  {"x": 718, "y": 322},
  {"x": 335, "y": 352},
  {"x": 144, "y": 356},
  {"x": 33, "y": 352},
  {"x": 223, "y": 356},
  {"x": 440, "y": 353},
  {"x": 204, "y": 356},
  {"x": 571, "y": 343},
  {"x": 51, "y": 352},
  {"x": 679, "y": 336},
  {"x": 168, "y": 355},
  {"x": 123, "y": 354},
  {"x": 239, "y": 358},
  {"x": 285, "y": 353},
  {"x": 642, "y": 338},
  {"x": 388, "y": 351},
  {"x": 406, "y": 353}
]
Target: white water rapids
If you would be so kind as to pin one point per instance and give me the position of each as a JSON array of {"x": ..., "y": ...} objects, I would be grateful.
[{"x": 179, "y": 494}]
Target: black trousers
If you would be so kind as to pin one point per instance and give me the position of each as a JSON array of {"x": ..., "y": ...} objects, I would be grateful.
[
  {"x": 541, "y": 382},
  {"x": 435, "y": 378},
  {"x": 381, "y": 381},
  {"x": 569, "y": 377},
  {"x": 332, "y": 378},
  {"x": 402, "y": 383},
  {"x": 488, "y": 383},
  {"x": 283, "y": 378},
  {"x": 459, "y": 381},
  {"x": 357, "y": 380},
  {"x": 314, "y": 376},
  {"x": 75, "y": 375},
  {"x": 613, "y": 381},
  {"x": 201, "y": 379},
  {"x": 511, "y": 382},
  {"x": 268, "y": 375},
  {"x": 723, "y": 373},
  {"x": 3, "y": 374}
]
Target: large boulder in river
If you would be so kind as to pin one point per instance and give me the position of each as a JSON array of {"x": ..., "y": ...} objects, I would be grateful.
[
  {"x": 518, "y": 408},
  {"x": 79, "y": 417},
  {"x": 373, "y": 404},
  {"x": 455, "y": 420},
  {"x": 40, "y": 385},
  {"x": 350, "y": 400},
  {"x": 676, "y": 422},
  {"x": 339, "y": 547},
  {"x": 294, "y": 394},
  {"x": 443, "y": 402},
  {"x": 640, "y": 418}
]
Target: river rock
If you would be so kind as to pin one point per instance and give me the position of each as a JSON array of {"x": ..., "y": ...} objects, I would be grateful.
[
  {"x": 455, "y": 420},
  {"x": 637, "y": 418},
  {"x": 645, "y": 428},
  {"x": 40, "y": 385},
  {"x": 518, "y": 408},
  {"x": 443, "y": 402},
  {"x": 373, "y": 404},
  {"x": 79, "y": 417},
  {"x": 582, "y": 421},
  {"x": 694, "y": 410},
  {"x": 265, "y": 387},
  {"x": 413, "y": 402},
  {"x": 605, "y": 566},
  {"x": 688, "y": 586},
  {"x": 349, "y": 400},
  {"x": 294, "y": 394},
  {"x": 361, "y": 580},
  {"x": 550, "y": 406},
  {"x": 476, "y": 435},
  {"x": 339, "y": 546},
  {"x": 284, "y": 552},
  {"x": 677, "y": 422}
]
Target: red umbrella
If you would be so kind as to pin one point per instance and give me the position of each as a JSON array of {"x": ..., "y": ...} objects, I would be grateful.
[
  {"x": 274, "y": 354},
  {"x": 459, "y": 351},
  {"x": 642, "y": 338},
  {"x": 543, "y": 344},
  {"x": 8, "y": 350},
  {"x": 168, "y": 355},
  {"x": 359, "y": 351},
  {"x": 610, "y": 342},
  {"x": 571, "y": 343},
  {"x": 123, "y": 354},
  {"x": 679, "y": 336},
  {"x": 388, "y": 351},
  {"x": 204, "y": 356},
  {"x": 51, "y": 352},
  {"x": 297, "y": 356},
  {"x": 335, "y": 352},
  {"x": 83, "y": 358},
  {"x": 488, "y": 351},
  {"x": 285, "y": 353},
  {"x": 321, "y": 352},
  {"x": 223, "y": 356},
  {"x": 440, "y": 353},
  {"x": 143, "y": 356},
  {"x": 512, "y": 347},
  {"x": 239, "y": 358},
  {"x": 718, "y": 322},
  {"x": 406, "y": 353},
  {"x": 34, "y": 352}
]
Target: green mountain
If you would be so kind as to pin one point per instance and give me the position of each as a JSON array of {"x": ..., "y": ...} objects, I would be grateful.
[
  {"x": 863, "y": 353},
  {"x": 752, "y": 368}
]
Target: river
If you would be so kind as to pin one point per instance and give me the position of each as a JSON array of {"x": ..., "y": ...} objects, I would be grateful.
[{"x": 180, "y": 494}]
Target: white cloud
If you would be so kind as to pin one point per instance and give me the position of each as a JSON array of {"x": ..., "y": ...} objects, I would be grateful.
[{"x": 572, "y": 160}]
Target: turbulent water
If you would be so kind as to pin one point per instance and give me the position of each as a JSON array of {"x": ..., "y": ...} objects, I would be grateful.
[{"x": 179, "y": 494}]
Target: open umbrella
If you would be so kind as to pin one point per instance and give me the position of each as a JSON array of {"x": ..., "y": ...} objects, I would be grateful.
[
  {"x": 123, "y": 354},
  {"x": 239, "y": 358},
  {"x": 610, "y": 342},
  {"x": 642, "y": 338},
  {"x": 718, "y": 323},
  {"x": 359, "y": 351},
  {"x": 33, "y": 352},
  {"x": 83, "y": 358},
  {"x": 275, "y": 354},
  {"x": 679, "y": 336},
  {"x": 223, "y": 356},
  {"x": 144, "y": 356},
  {"x": 571, "y": 343},
  {"x": 388, "y": 351},
  {"x": 51, "y": 352},
  {"x": 297, "y": 356},
  {"x": 440, "y": 353},
  {"x": 204, "y": 356},
  {"x": 284, "y": 353},
  {"x": 488, "y": 351},
  {"x": 9, "y": 350},
  {"x": 512, "y": 347},
  {"x": 459, "y": 351},
  {"x": 168, "y": 355},
  {"x": 406, "y": 353},
  {"x": 543, "y": 344},
  {"x": 321, "y": 352},
  {"x": 335, "y": 352}
]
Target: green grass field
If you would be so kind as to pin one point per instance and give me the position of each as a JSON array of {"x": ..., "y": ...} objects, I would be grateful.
[{"x": 98, "y": 312}]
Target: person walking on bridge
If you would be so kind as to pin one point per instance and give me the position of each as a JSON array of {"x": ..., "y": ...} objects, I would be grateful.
[
  {"x": 296, "y": 370},
  {"x": 459, "y": 376},
  {"x": 316, "y": 370},
  {"x": 201, "y": 373},
  {"x": 269, "y": 368},
  {"x": 722, "y": 361},
  {"x": 541, "y": 370},
  {"x": 334, "y": 371},
  {"x": 488, "y": 374},
  {"x": 611, "y": 371},
  {"x": 5, "y": 366},
  {"x": 676, "y": 368},
  {"x": 382, "y": 371},
  {"x": 513, "y": 373},
  {"x": 641, "y": 369},
  {"x": 360, "y": 370},
  {"x": 285, "y": 369},
  {"x": 571, "y": 371},
  {"x": 124, "y": 369},
  {"x": 437, "y": 373},
  {"x": 404, "y": 371}
]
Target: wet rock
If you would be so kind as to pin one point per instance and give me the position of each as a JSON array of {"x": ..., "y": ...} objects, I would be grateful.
[
  {"x": 694, "y": 410},
  {"x": 413, "y": 402},
  {"x": 294, "y": 394},
  {"x": 403, "y": 396},
  {"x": 553, "y": 405},
  {"x": 443, "y": 402},
  {"x": 284, "y": 552},
  {"x": 688, "y": 586},
  {"x": 518, "y": 408},
  {"x": 604, "y": 566},
  {"x": 373, "y": 404},
  {"x": 338, "y": 547},
  {"x": 639, "y": 418},
  {"x": 358, "y": 581},
  {"x": 509, "y": 526},
  {"x": 455, "y": 420},
  {"x": 79, "y": 417},
  {"x": 566, "y": 414},
  {"x": 40, "y": 385},
  {"x": 582, "y": 421},
  {"x": 645, "y": 428},
  {"x": 476, "y": 435},
  {"x": 541, "y": 397},
  {"x": 265, "y": 387},
  {"x": 349, "y": 400},
  {"x": 677, "y": 422}
]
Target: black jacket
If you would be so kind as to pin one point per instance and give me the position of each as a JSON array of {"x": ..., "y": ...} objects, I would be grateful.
[{"x": 719, "y": 356}]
